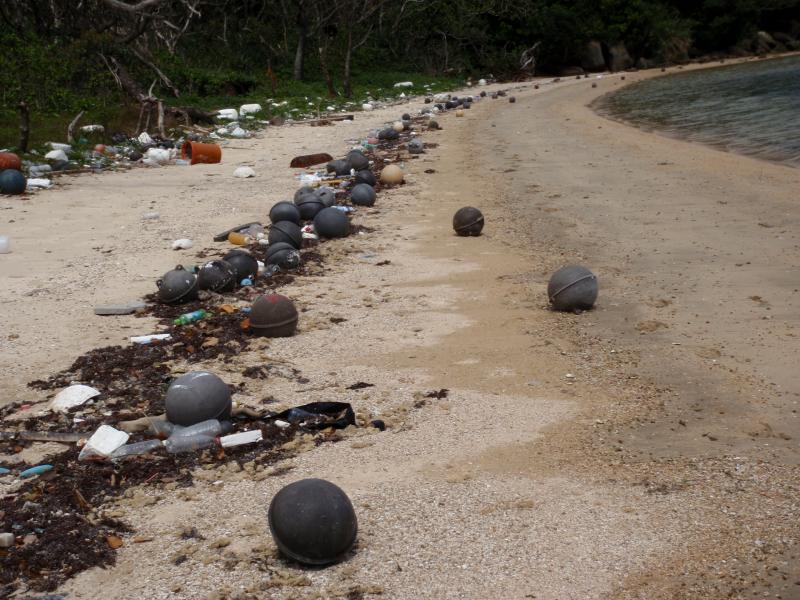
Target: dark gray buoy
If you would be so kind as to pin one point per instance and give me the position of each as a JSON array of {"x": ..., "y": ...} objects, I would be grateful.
[
  {"x": 312, "y": 521},
  {"x": 357, "y": 160},
  {"x": 362, "y": 195},
  {"x": 284, "y": 255},
  {"x": 244, "y": 263},
  {"x": 415, "y": 146},
  {"x": 340, "y": 167},
  {"x": 197, "y": 396},
  {"x": 365, "y": 176},
  {"x": 468, "y": 221},
  {"x": 177, "y": 286},
  {"x": 572, "y": 288},
  {"x": 405, "y": 117},
  {"x": 309, "y": 205},
  {"x": 388, "y": 134},
  {"x": 285, "y": 231},
  {"x": 327, "y": 194},
  {"x": 302, "y": 192},
  {"x": 273, "y": 315},
  {"x": 284, "y": 211},
  {"x": 332, "y": 223},
  {"x": 217, "y": 276},
  {"x": 12, "y": 182}
]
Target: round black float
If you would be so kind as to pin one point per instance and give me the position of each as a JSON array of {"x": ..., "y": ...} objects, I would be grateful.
[
  {"x": 388, "y": 134},
  {"x": 405, "y": 117},
  {"x": 244, "y": 263},
  {"x": 339, "y": 167},
  {"x": 197, "y": 396},
  {"x": 284, "y": 255},
  {"x": 416, "y": 146},
  {"x": 303, "y": 191},
  {"x": 572, "y": 288},
  {"x": 483, "y": 94},
  {"x": 309, "y": 205},
  {"x": 468, "y": 221},
  {"x": 433, "y": 124},
  {"x": 450, "y": 104},
  {"x": 273, "y": 315},
  {"x": 357, "y": 160},
  {"x": 362, "y": 195},
  {"x": 312, "y": 521},
  {"x": 365, "y": 176},
  {"x": 217, "y": 276},
  {"x": 467, "y": 105},
  {"x": 284, "y": 211},
  {"x": 332, "y": 223},
  {"x": 285, "y": 231},
  {"x": 327, "y": 194},
  {"x": 512, "y": 99},
  {"x": 12, "y": 182},
  {"x": 177, "y": 286}
]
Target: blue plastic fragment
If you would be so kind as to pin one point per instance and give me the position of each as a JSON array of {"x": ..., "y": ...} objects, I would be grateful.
[
  {"x": 246, "y": 281},
  {"x": 4, "y": 471},
  {"x": 37, "y": 470}
]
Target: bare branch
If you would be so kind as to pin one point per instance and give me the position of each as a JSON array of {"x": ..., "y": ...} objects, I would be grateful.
[{"x": 141, "y": 7}]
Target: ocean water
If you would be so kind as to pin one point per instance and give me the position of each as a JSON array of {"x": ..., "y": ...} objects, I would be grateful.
[{"x": 751, "y": 108}]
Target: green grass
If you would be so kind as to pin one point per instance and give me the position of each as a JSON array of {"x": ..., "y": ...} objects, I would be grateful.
[{"x": 290, "y": 99}]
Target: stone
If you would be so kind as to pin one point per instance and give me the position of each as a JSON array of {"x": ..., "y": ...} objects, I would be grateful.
[
  {"x": 618, "y": 58},
  {"x": 592, "y": 58},
  {"x": 7, "y": 540},
  {"x": 126, "y": 308}
]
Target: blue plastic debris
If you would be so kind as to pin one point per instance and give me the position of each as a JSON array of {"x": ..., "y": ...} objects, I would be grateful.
[{"x": 37, "y": 470}]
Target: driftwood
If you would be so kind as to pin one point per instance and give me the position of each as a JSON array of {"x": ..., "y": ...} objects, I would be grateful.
[
  {"x": 71, "y": 128},
  {"x": 324, "y": 120}
]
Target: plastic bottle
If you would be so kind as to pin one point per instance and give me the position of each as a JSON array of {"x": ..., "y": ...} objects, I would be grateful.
[
  {"x": 163, "y": 428},
  {"x": 211, "y": 428},
  {"x": 136, "y": 449},
  {"x": 190, "y": 317},
  {"x": 239, "y": 239},
  {"x": 188, "y": 443}
]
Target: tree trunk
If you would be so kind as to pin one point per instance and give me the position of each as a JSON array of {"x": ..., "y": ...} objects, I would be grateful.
[
  {"x": 326, "y": 72},
  {"x": 302, "y": 35},
  {"x": 24, "y": 126},
  {"x": 348, "y": 85}
]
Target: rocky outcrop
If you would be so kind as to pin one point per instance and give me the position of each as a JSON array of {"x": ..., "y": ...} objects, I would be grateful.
[
  {"x": 764, "y": 42},
  {"x": 618, "y": 58},
  {"x": 592, "y": 58}
]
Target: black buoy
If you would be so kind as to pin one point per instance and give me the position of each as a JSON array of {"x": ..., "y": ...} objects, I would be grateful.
[
  {"x": 284, "y": 255},
  {"x": 572, "y": 288},
  {"x": 273, "y": 315},
  {"x": 217, "y": 276},
  {"x": 357, "y": 160},
  {"x": 302, "y": 192},
  {"x": 339, "y": 167},
  {"x": 284, "y": 211},
  {"x": 468, "y": 221},
  {"x": 332, "y": 223},
  {"x": 327, "y": 194},
  {"x": 309, "y": 205},
  {"x": 365, "y": 176},
  {"x": 405, "y": 117},
  {"x": 197, "y": 396},
  {"x": 388, "y": 134},
  {"x": 285, "y": 231},
  {"x": 512, "y": 100},
  {"x": 177, "y": 286},
  {"x": 362, "y": 195},
  {"x": 244, "y": 263},
  {"x": 312, "y": 521},
  {"x": 415, "y": 146},
  {"x": 12, "y": 182},
  {"x": 483, "y": 94}
]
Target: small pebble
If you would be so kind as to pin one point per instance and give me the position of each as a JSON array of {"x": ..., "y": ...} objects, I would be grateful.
[{"x": 6, "y": 540}]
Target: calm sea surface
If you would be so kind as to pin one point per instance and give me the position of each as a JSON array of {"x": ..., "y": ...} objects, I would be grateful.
[{"x": 752, "y": 108}]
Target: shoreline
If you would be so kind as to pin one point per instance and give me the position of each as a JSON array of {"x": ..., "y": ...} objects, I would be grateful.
[{"x": 521, "y": 481}]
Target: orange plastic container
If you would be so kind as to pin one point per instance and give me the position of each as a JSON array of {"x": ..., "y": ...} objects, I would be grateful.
[
  {"x": 9, "y": 160},
  {"x": 199, "y": 153},
  {"x": 238, "y": 239}
]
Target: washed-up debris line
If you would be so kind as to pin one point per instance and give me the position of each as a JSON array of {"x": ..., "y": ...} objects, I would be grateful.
[{"x": 57, "y": 515}]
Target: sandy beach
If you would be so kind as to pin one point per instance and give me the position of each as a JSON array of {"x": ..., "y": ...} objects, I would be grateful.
[{"x": 645, "y": 449}]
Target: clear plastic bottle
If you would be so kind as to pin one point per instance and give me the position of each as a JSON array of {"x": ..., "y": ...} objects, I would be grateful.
[
  {"x": 211, "y": 428},
  {"x": 136, "y": 449},
  {"x": 188, "y": 443},
  {"x": 163, "y": 428}
]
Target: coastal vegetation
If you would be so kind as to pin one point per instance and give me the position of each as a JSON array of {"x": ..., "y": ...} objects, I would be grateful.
[{"x": 104, "y": 56}]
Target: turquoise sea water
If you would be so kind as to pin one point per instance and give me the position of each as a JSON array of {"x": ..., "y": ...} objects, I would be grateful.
[{"x": 752, "y": 108}]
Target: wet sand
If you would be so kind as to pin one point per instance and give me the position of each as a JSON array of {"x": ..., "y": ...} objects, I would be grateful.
[{"x": 664, "y": 467}]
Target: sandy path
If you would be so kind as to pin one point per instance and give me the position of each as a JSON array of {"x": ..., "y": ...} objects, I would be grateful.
[{"x": 522, "y": 483}]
